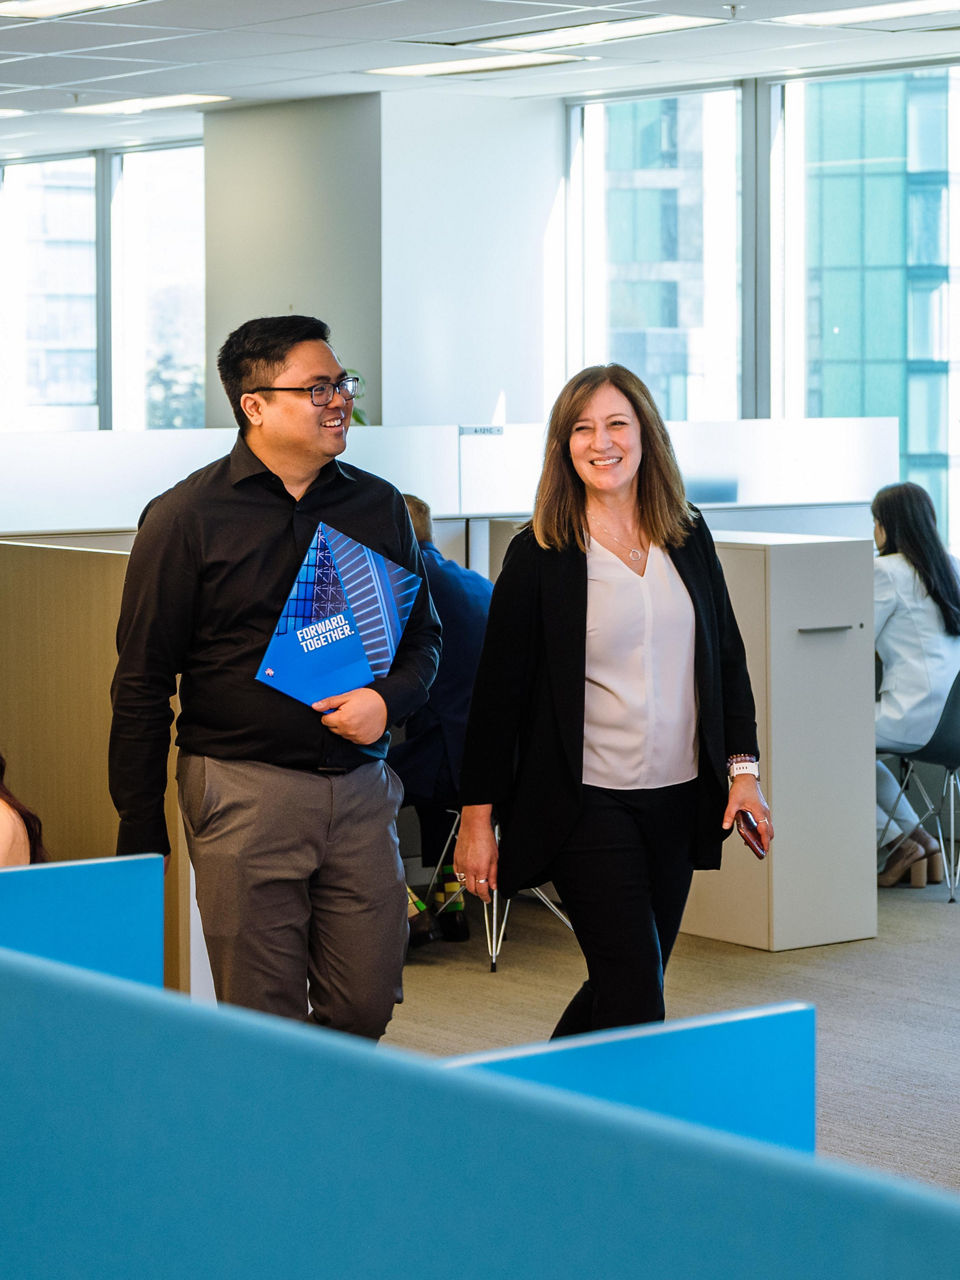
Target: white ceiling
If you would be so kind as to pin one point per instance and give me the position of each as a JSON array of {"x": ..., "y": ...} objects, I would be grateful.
[{"x": 257, "y": 51}]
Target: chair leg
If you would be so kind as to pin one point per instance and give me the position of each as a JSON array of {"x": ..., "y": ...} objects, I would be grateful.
[
  {"x": 438, "y": 869},
  {"x": 494, "y": 935},
  {"x": 561, "y": 915},
  {"x": 952, "y": 856},
  {"x": 903, "y": 787}
]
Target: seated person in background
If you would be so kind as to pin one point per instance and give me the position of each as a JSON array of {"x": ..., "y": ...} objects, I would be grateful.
[
  {"x": 428, "y": 761},
  {"x": 916, "y": 602},
  {"x": 20, "y": 834}
]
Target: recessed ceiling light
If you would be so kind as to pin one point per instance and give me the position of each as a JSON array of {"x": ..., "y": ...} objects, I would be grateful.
[
  {"x": 7, "y": 113},
  {"x": 868, "y": 13},
  {"x": 506, "y": 62},
  {"x": 57, "y": 8},
  {"x": 133, "y": 106},
  {"x": 596, "y": 33}
]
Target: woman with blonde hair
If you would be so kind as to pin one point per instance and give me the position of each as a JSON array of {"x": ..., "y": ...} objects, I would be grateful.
[{"x": 612, "y": 705}]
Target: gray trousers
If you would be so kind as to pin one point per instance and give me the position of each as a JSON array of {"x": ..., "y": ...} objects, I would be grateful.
[{"x": 300, "y": 888}]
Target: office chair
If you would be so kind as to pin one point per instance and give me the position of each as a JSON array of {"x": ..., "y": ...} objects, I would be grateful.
[
  {"x": 495, "y": 935},
  {"x": 494, "y": 923},
  {"x": 943, "y": 749}
]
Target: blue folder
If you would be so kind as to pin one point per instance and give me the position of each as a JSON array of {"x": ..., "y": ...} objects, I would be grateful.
[{"x": 342, "y": 622}]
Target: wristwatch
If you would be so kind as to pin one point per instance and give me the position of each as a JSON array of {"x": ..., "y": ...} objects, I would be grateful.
[{"x": 742, "y": 764}]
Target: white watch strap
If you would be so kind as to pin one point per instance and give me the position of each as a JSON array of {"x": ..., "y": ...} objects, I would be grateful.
[{"x": 744, "y": 766}]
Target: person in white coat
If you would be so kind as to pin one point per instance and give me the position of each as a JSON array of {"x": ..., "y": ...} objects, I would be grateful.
[{"x": 916, "y": 596}]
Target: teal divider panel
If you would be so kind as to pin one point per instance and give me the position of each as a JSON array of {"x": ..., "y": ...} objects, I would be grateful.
[
  {"x": 104, "y": 914},
  {"x": 143, "y": 1136},
  {"x": 751, "y": 1072}
]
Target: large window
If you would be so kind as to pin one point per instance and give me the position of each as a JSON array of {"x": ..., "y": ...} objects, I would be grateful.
[
  {"x": 866, "y": 261},
  {"x": 48, "y": 321},
  {"x": 658, "y": 269},
  {"x": 101, "y": 258},
  {"x": 158, "y": 333}
]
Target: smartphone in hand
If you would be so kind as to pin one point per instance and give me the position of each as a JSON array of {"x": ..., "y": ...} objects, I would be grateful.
[{"x": 749, "y": 832}]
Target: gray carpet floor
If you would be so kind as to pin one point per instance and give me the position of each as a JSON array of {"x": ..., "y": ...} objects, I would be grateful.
[{"x": 888, "y": 1015}]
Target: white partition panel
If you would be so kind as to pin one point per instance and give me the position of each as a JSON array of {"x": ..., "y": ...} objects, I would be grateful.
[
  {"x": 763, "y": 462},
  {"x": 499, "y": 468},
  {"x": 96, "y": 480},
  {"x": 419, "y": 460},
  {"x": 102, "y": 480}
]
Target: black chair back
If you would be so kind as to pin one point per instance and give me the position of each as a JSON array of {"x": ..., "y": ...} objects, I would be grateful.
[{"x": 944, "y": 747}]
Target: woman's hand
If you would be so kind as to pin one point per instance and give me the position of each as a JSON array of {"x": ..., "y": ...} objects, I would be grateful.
[
  {"x": 745, "y": 793},
  {"x": 475, "y": 857}
]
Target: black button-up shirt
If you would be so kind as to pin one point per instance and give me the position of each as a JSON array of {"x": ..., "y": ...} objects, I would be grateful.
[{"x": 210, "y": 570}]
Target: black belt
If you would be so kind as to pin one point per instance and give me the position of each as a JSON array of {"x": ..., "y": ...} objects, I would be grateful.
[{"x": 328, "y": 770}]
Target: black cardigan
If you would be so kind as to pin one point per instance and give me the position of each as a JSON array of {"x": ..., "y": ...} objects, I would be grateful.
[{"x": 524, "y": 749}]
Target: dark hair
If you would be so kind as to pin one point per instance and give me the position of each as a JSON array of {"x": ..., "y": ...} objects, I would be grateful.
[
  {"x": 909, "y": 522},
  {"x": 559, "y": 511},
  {"x": 28, "y": 817},
  {"x": 420, "y": 517},
  {"x": 258, "y": 350}
]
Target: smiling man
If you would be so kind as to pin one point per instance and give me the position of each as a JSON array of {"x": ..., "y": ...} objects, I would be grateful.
[{"x": 290, "y": 811}]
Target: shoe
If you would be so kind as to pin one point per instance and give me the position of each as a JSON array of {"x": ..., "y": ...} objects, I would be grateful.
[
  {"x": 925, "y": 840},
  {"x": 453, "y": 926},
  {"x": 900, "y": 860},
  {"x": 423, "y": 929},
  {"x": 931, "y": 851}
]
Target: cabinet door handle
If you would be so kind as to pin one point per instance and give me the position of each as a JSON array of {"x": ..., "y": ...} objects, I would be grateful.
[{"x": 812, "y": 631}]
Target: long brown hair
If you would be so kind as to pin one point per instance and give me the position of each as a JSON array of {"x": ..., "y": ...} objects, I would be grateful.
[
  {"x": 27, "y": 816},
  {"x": 559, "y": 511},
  {"x": 908, "y": 518}
]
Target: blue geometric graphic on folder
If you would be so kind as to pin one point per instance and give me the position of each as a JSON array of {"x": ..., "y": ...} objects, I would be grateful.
[{"x": 342, "y": 621}]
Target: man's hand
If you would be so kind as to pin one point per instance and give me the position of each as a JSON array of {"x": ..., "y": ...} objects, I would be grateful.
[{"x": 359, "y": 716}]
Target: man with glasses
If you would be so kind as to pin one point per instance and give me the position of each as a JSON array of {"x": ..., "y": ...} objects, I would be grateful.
[{"x": 290, "y": 810}]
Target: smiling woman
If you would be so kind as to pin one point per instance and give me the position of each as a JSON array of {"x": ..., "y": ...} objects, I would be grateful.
[{"x": 611, "y": 701}]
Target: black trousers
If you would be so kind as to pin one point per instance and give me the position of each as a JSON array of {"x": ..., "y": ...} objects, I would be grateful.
[{"x": 623, "y": 877}]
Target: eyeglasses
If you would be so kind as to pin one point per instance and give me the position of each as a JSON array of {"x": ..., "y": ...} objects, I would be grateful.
[{"x": 321, "y": 393}]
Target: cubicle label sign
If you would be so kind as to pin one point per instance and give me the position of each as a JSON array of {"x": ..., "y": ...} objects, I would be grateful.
[{"x": 481, "y": 431}]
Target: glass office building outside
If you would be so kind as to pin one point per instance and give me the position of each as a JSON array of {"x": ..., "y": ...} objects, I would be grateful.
[
  {"x": 102, "y": 264},
  {"x": 661, "y": 247},
  {"x": 48, "y": 323},
  {"x": 869, "y": 182}
]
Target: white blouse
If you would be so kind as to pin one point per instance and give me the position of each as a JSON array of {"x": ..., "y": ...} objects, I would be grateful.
[
  {"x": 920, "y": 661},
  {"x": 640, "y": 710}
]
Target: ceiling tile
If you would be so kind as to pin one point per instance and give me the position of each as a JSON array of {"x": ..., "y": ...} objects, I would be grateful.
[
  {"x": 67, "y": 71},
  {"x": 391, "y": 20},
  {"x": 227, "y": 78},
  {"x": 66, "y": 37},
  {"x": 217, "y": 15},
  {"x": 219, "y": 46}
]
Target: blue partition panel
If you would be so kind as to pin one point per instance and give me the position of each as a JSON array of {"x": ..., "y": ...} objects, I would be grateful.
[
  {"x": 752, "y": 1072},
  {"x": 104, "y": 914},
  {"x": 143, "y": 1136}
]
